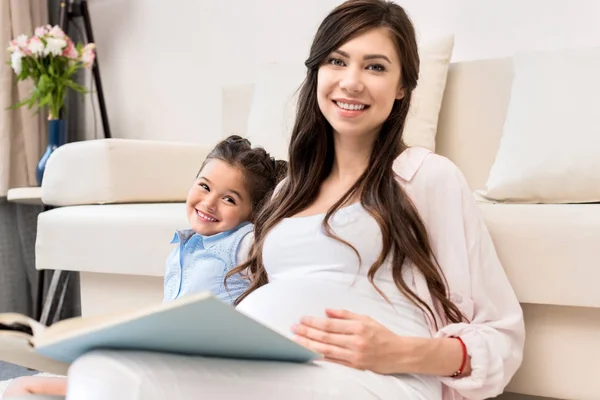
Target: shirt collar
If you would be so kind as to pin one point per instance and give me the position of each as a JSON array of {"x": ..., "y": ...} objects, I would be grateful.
[
  {"x": 183, "y": 235},
  {"x": 409, "y": 161}
]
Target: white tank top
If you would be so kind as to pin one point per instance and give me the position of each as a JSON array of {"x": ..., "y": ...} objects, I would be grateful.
[{"x": 309, "y": 271}]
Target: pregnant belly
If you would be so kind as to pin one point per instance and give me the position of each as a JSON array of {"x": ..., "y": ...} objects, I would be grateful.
[{"x": 281, "y": 304}]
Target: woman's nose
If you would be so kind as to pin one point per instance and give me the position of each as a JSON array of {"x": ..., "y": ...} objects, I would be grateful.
[{"x": 351, "y": 81}]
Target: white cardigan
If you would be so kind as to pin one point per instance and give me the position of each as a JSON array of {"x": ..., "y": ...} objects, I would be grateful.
[{"x": 477, "y": 283}]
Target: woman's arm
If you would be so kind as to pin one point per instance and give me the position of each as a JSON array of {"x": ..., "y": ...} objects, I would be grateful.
[
  {"x": 494, "y": 334},
  {"x": 440, "y": 356}
]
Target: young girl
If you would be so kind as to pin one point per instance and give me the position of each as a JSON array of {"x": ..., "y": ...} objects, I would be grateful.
[{"x": 230, "y": 189}]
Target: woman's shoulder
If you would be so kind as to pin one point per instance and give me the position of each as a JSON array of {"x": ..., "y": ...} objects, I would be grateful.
[{"x": 419, "y": 166}]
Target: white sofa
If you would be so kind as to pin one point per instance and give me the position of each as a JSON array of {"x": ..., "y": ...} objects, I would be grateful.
[{"x": 121, "y": 200}]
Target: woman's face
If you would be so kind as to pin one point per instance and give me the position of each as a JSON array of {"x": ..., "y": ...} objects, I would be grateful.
[{"x": 358, "y": 83}]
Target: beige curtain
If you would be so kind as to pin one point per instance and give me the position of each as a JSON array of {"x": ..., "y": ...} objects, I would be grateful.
[{"x": 23, "y": 134}]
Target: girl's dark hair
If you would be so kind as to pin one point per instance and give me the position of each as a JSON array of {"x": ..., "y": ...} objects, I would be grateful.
[
  {"x": 261, "y": 171},
  {"x": 311, "y": 156}
]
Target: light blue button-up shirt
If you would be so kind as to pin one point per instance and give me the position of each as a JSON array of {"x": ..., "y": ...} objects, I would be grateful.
[{"x": 199, "y": 263}]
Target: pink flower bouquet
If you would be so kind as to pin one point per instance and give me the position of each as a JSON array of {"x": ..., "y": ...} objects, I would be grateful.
[{"x": 50, "y": 59}]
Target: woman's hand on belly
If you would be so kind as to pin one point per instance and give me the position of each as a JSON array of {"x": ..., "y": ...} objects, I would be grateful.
[
  {"x": 360, "y": 342},
  {"x": 356, "y": 341}
]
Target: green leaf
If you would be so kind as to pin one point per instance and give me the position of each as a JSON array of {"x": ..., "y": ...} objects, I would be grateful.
[
  {"x": 32, "y": 102},
  {"x": 75, "y": 86},
  {"x": 19, "y": 104},
  {"x": 46, "y": 100}
]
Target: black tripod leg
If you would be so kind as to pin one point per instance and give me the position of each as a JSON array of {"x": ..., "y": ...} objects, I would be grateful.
[
  {"x": 39, "y": 297},
  {"x": 55, "y": 297},
  {"x": 61, "y": 298},
  {"x": 95, "y": 69},
  {"x": 42, "y": 276},
  {"x": 63, "y": 19}
]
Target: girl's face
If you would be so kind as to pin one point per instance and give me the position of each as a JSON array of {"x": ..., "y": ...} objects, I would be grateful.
[
  {"x": 358, "y": 84},
  {"x": 218, "y": 201}
]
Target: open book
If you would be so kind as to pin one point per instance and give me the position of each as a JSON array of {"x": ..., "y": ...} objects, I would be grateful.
[{"x": 199, "y": 324}]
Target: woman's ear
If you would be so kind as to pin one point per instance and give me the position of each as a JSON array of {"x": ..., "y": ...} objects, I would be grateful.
[{"x": 400, "y": 93}]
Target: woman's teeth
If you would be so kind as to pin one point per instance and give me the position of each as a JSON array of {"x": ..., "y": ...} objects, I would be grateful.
[
  {"x": 205, "y": 217},
  {"x": 351, "y": 107}
]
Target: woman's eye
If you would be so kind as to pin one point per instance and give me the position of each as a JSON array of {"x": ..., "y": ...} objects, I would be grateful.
[
  {"x": 204, "y": 186},
  {"x": 336, "y": 61},
  {"x": 229, "y": 200},
  {"x": 376, "y": 67}
]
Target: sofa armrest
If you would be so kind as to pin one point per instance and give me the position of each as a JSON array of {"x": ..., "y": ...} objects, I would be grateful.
[{"x": 121, "y": 171}]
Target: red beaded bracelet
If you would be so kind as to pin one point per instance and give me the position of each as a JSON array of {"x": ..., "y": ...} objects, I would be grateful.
[{"x": 464, "y": 359}]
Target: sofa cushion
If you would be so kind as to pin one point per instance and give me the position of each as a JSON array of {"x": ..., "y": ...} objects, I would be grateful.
[
  {"x": 121, "y": 171},
  {"x": 118, "y": 238},
  {"x": 550, "y": 251},
  {"x": 551, "y": 140}
]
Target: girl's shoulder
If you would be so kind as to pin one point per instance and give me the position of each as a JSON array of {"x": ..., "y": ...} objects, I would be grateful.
[{"x": 243, "y": 229}]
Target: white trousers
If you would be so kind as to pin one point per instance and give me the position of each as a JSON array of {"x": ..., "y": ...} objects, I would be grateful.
[{"x": 116, "y": 375}]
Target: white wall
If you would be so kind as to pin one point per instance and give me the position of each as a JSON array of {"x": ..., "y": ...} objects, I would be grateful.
[{"x": 163, "y": 63}]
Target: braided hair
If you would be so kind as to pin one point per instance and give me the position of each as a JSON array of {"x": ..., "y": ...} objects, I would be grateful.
[{"x": 261, "y": 172}]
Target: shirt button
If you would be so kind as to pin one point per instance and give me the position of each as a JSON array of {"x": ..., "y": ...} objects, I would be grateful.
[{"x": 456, "y": 298}]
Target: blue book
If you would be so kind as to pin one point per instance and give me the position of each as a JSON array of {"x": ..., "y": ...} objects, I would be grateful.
[{"x": 199, "y": 324}]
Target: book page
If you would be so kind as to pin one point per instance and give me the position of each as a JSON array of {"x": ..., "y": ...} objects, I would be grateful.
[
  {"x": 75, "y": 326},
  {"x": 9, "y": 319},
  {"x": 70, "y": 326},
  {"x": 15, "y": 348}
]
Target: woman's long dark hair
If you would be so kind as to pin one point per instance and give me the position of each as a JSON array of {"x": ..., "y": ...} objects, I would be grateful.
[{"x": 311, "y": 155}]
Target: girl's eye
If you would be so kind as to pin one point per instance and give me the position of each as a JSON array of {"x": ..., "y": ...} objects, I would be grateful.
[
  {"x": 204, "y": 186},
  {"x": 336, "y": 61},
  {"x": 376, "y": 67},
  {"x": 229, "y": 200}
]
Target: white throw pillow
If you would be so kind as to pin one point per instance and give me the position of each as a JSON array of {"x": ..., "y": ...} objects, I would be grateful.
[
  {"x": 550, "y": 147},
  {"x": 425, "y": 105},
  {"x": 273, "y": 108}
]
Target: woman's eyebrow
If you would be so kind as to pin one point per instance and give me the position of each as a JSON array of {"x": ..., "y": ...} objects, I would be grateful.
[
  {"x": 365, "y": 57},
  {"x": 377, "y": 56}
]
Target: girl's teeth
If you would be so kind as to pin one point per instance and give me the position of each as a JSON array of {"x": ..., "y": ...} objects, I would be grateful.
[
  {"x": 352, "y": 107},
  {"x": 205, "y": 217}
]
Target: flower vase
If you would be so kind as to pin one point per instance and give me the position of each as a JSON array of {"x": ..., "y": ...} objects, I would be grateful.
[{"x": 56, "y": 138}]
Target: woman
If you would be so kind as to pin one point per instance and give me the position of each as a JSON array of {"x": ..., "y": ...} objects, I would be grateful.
[
  {"x": 387, "y": 237},
  {"x": 364, "y": 224}
]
